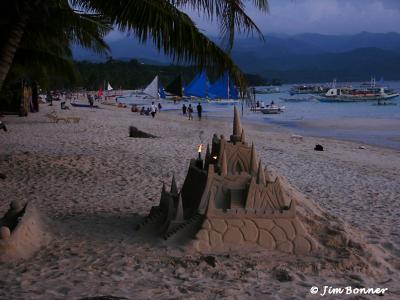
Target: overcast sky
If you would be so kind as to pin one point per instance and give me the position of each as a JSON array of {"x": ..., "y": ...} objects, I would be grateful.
[{"x": 319, "y": 16}]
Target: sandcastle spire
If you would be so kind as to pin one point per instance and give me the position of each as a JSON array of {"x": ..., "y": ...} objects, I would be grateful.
[
  {"x": 253, "y": 160},
  {"x": 237, "y": 127},
  {"x": 267, "y": 175},
  {"x": 179, "y": 210},
  {"x": 242, "y": 137},
  {"x": 224, "y": 165},
  {"x": 174, "y": 187},
  {"x": 260, "y": 174}
]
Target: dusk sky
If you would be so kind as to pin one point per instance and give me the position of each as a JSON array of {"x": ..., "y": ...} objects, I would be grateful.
[{"x": 318, "y": 16}]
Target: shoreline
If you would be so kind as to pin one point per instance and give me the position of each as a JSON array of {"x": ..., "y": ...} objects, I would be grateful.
[{"x": 294, "y": 129}]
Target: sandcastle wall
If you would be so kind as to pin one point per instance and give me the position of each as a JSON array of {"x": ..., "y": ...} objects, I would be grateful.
[{"x": 285, "y": 235}]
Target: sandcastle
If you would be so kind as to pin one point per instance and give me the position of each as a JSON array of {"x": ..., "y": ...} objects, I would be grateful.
[
  {"x": 21, "y": 232},
  {"x": 229, "y": 200}
]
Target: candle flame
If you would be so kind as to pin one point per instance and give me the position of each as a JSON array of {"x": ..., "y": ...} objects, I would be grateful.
[
  {"x": 200, "y": 147},
  {"x": 215, "y": 157}
]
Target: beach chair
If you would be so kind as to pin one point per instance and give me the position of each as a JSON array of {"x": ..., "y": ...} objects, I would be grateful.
[{"x": 54, "y": 118}]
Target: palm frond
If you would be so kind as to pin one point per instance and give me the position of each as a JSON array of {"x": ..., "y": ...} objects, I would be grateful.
[
  {"x": 230, "y": 15},
  {"x": 170, "y": 30}
]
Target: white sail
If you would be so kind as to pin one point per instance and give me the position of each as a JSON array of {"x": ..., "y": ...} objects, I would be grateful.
[
  {"x": 152, "y": 88},
  {"x": 109, "y": 87}
]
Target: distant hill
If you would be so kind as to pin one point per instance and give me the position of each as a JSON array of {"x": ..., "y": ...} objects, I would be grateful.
[
  {"x": 132, "y": 74},
  {"x": 297, "y": 58}
]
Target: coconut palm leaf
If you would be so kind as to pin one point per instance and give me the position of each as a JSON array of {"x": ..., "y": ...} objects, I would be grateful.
[
  {"x": 170, "y": 30},
  {"x": 50, "y": 27},
  {"x": 230, "y": 15}
]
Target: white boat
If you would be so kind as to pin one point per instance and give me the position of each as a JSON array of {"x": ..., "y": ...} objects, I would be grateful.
[
  {"x": 272, "y": 109},
  {"x": 357, "y": 95}
]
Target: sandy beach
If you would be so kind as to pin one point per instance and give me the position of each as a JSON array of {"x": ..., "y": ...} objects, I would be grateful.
[{"x": 92, "y": 184}]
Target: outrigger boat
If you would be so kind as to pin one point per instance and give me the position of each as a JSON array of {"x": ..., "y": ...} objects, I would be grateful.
[{"x": 358, "y": 95}]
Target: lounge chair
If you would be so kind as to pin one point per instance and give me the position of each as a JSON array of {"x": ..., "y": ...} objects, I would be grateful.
[{"x": 54, "y": 118}]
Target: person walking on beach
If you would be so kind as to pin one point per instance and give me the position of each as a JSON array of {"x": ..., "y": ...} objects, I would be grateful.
[
  {"x": 184, "y": 108},
  {"x": 90, "y": 99},
  {"x": 153, "y": 109},
  {"x": 190, "y": 110},
  {"x": 199, "y": 111}
]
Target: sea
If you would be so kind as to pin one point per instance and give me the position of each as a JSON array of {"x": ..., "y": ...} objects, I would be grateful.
[{"x": 364, "y": 122}]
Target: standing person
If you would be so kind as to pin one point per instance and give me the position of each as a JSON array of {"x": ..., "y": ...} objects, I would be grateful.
[
  {"x": 190, "y": 110},
  {"x": 199, "y": 111},
  {"x": 153, "y": 109},
  {"x": 184, "y": 108},
  {"x": 49, "y": 98},
  {"x": 159, "y": 106},
  {"x": 91, "y": 101}
]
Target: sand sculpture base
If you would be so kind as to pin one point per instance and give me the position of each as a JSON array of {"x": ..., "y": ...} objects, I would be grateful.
[
  {"x": 283, "y": 235},
  {"x": 26, "y": 238}
]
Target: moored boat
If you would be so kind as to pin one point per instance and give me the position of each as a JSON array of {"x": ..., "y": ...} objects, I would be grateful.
[
  {"x": 84, "y": 105},
  {"x": 272, "y": 109},
  {"x": 355, "y": 95},
  {"x": 307, "y": 89}
]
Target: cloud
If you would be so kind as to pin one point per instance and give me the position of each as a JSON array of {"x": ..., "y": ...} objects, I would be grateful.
[
  {"x": 313, "y": 16},
  {"x": 321, "y": 16}
]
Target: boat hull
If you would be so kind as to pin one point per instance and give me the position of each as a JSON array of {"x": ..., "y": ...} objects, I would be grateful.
[
  {"x": 357, "y": 99},
  {"x": 84, "y": 105}
]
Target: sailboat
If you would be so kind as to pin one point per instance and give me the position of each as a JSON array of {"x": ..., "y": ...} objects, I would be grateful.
[
  {"x": 175, "y": 87},
  {"x": 152, "y": 89},
  {"x": 223, "y": 90},
  {"x": 197, "y": 87},
  {"x": 109, "y": 87}
]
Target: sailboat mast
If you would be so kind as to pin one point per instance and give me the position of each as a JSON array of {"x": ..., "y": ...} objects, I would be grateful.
[{"x": 229, "y": 94}]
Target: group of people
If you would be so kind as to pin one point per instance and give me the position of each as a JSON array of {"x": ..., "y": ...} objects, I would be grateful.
[
  {"x": 188, "y": 110},
  {"x": 152, "y": 110},
  {"x": 262, "y": 104}
]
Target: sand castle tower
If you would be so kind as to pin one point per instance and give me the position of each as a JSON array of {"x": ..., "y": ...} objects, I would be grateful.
[
  {"x": 22, "y": 232},
  {"x": 228, "y": 200}
]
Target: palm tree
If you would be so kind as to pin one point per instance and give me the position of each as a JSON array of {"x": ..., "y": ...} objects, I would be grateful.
[
  {"x": 161, "y": 21},
  {"x": 41, "y": 47}
]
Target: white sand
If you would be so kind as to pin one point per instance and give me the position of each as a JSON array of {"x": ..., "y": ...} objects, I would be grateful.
[{"x": 95, "y": 183}]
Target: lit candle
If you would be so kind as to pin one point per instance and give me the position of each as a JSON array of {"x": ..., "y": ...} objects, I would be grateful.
[{"x": 199, "y": 161}]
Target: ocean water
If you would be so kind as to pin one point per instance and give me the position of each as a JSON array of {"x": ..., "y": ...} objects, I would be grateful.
[{"x": 363, "y": 122}]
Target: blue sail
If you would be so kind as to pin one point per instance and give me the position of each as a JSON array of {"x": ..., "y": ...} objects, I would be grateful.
[
  {"x": 232, "y": 91},
  {"x": 219, "y": 90},
  {"x": 161, "y": 90},
  {"x": 197, "y": 87}
]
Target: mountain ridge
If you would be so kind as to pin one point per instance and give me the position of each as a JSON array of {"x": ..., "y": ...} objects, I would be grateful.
[{"x": 302, "y": 57}]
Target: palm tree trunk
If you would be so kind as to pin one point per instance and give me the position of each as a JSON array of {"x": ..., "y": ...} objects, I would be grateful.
[{"x": 7, "y": 52}]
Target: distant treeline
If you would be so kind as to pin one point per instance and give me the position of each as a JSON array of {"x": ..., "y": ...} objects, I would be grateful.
[{"x": 133, "y": 75}]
